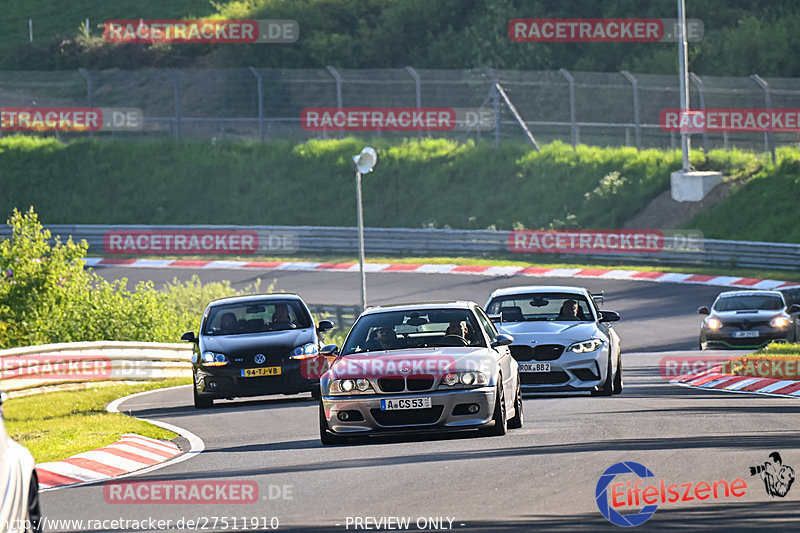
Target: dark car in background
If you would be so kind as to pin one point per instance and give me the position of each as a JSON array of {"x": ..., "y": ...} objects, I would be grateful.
[
  {"x": 748, "y": 319},
  {"x": 255, "y": 345}
]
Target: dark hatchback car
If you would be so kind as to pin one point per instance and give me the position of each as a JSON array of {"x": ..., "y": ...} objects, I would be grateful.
[
  {"x": 748, "y": 319},
  {"x": 253, "y": 346}
]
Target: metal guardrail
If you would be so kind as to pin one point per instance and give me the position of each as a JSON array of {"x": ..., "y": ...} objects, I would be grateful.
[
  {"x": 277, "y": 240},
  {"x": 34, "y": 367}
]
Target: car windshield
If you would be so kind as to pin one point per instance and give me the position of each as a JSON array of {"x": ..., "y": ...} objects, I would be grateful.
[
  {"x": 541, "y": 306},
  {"x": 748, "y": 302},
  {"x": 396, "y": 330},
  {"x": 256, "y": 317}
]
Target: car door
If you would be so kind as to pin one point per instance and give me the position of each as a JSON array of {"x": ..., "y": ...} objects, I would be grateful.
[{"x": 508, "y": 365}]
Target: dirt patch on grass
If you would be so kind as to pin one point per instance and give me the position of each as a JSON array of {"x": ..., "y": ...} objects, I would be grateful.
[{"x": 665, "y": 213}]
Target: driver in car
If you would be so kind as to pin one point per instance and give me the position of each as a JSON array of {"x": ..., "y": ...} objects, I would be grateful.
[
  {"x": 385, "y": 338},
  {"x": 457, "y": 328}
]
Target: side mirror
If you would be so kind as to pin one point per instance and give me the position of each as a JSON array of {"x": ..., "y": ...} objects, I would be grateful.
[
  {"x": 703, "y": 310},
  {"x": 609, "y": 316},
  {"x": 329, "y": 349},
  {"x": 794, "y": 308},
  {"x": 189, "y": 336},
  {"x": 497, "y": 319},
  {"x": 325, "y": 325},
  {"x": 502, "y": 339}
]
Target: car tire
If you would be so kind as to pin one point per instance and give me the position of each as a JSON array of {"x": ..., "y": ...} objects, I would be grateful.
[
  {"x": 607, "y": 388},
  {"x": 324, "y": 436},
  {"x": 702, "y": 345},
  {"x": 34, "y": 513},
  {"x": 618, "y": 375},
  {"x": 518, "y": 419},
  {"x": 199, "y": 401},
  {"x": 500, "y": 427},
  {"x": 315, "y": 394}
]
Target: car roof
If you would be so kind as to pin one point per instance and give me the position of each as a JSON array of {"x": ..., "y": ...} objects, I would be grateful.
[
  {"x": 447, "y": 304},
  {"x": 254, "y": 298},
  {"x": 728, "y": 294},
  {"x": 530, "y": 289}
]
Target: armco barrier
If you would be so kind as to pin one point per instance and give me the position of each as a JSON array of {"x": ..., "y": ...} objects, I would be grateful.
[
  {"x": 32, "y": 367},
  {"x": 277, "y": 240}
]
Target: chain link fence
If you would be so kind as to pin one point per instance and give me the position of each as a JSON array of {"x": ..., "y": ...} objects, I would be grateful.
[{"x": 603, "y": 109}]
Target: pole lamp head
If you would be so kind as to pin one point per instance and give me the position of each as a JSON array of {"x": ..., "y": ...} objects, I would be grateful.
[{"x": 365, "y": 161}]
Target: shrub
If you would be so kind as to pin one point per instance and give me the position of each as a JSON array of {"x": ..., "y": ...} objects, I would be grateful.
[{"x": 46, "y": 295}]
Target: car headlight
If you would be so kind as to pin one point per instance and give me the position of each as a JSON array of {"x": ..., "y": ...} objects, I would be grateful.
[
  {"x": 779, "y": 322},
  {"x": 349, "y": 385},
  {"x": 586, "y": 346},
  {"x": 713, "y": 323},
  {"x": 470, "y": 379},
  {"x": 305, "y": 351},
  {"x": 214, "y": 359}
]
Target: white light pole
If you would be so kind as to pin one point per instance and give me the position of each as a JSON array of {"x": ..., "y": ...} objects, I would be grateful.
[
  {"x": 363, "y": 163},
  {"x": 683, "y": 68}
]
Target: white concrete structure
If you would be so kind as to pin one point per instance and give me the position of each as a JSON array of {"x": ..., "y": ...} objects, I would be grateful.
[{"x": 694, "y": 185}]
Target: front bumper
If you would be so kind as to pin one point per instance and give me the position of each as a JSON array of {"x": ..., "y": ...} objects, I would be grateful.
[
  {"x": 227, "y": 382},
  {"x": 569, "y": 372},
  {"x": 366, "y": 416},
  {"x": 726, "y": 339}
]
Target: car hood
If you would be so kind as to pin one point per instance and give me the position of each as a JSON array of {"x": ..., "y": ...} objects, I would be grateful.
[
  {"x": 412, "y": 361},
  {"x": 546, "y": 331},
  {"x": 248, "y": 342},
  {"x": 754, "y": 315}
]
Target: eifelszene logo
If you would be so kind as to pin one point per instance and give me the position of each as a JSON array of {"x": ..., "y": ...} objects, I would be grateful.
[
  {"x": 628, "y": 495},
  {"x": 778, "y": 477}
]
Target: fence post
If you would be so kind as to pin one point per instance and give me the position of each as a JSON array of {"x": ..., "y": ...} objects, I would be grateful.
[
  {"x": 573, "y": 128},
  {"x": 418, "y": 88},
  {"x": 257, "y": 74},
  {"x": 636, "y": 119},
  {"x": 89, "y": 91},
  {"x": 338, "y": 79},
  {"x": 768, "y": 145},
  {"x": 701, "y": 96},
  {"x": 177, "y": 101}
]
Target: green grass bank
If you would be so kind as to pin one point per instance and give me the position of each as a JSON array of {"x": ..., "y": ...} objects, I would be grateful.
[{"x": 428, "y": 183}]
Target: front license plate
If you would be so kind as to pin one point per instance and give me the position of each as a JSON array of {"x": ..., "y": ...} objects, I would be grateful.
[
  {"x": 534, "y": 367},
  {"x": 406, "y": 403},
  {"x": 265, "y": 371},
  {"x": 745, "y": 334}
]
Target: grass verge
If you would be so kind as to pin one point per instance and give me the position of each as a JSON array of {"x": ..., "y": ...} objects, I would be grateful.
[{"x": 57, "y": 425}]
